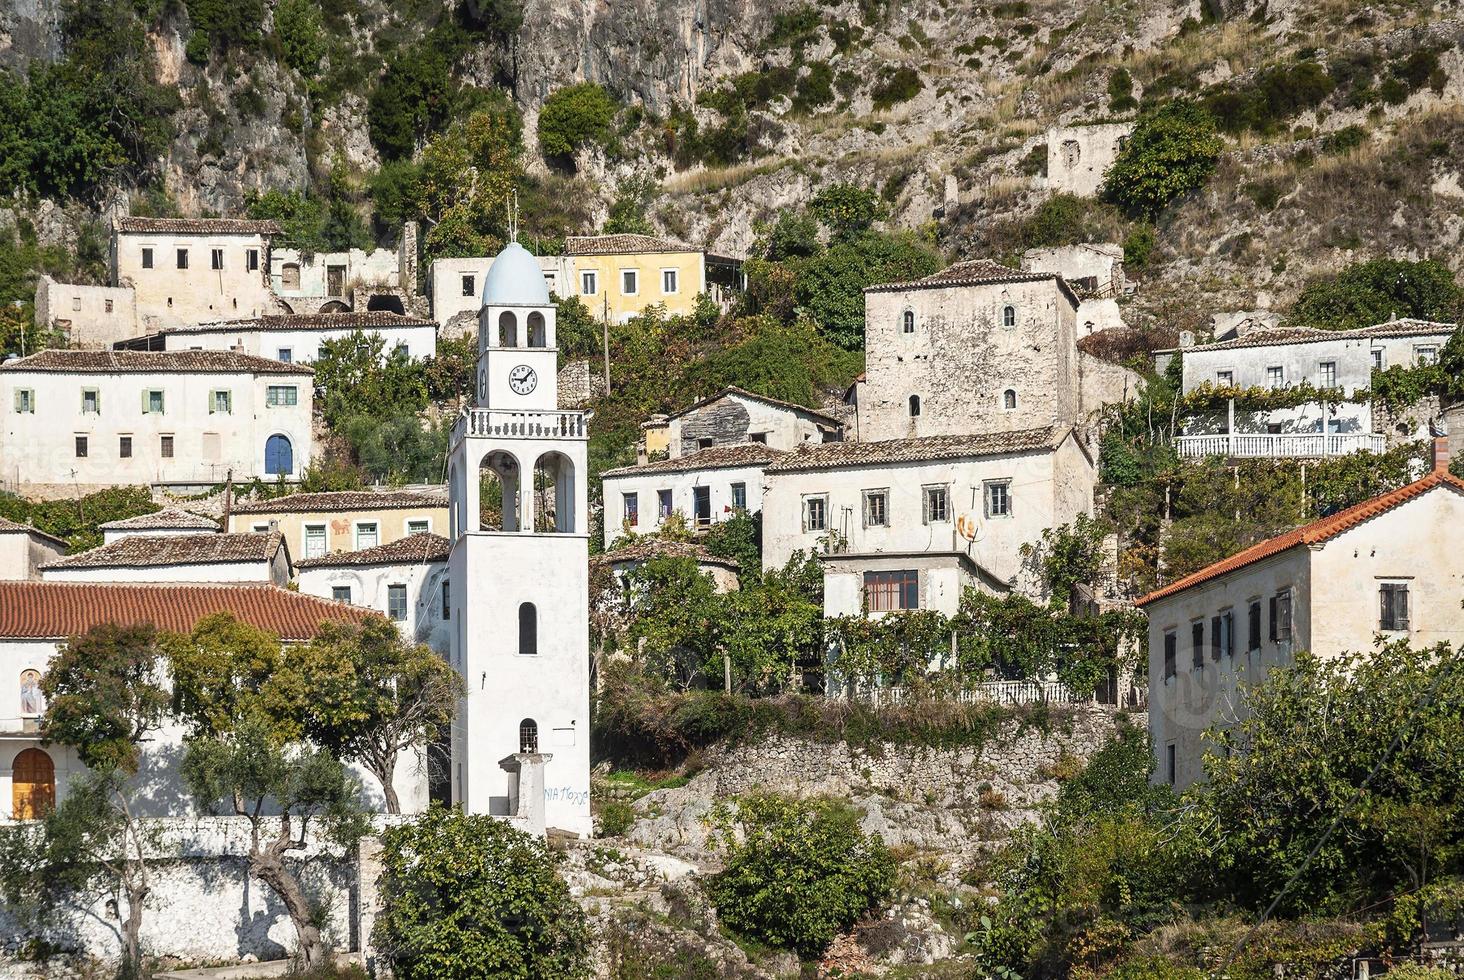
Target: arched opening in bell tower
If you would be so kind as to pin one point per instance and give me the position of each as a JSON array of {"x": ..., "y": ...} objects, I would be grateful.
[
  {"x": 498, "y": 492},
  {"x": 538, "y": 337},
  {"x": 554, "y": 494},
  {"x": 507, "y": 329}
]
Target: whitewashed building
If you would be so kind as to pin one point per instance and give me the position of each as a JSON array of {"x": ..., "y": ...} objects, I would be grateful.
[
  {"x": 24, "y": 549},
  {"x": 186, "y": 557},
  {"x": 1386, "y": 569},
  {"x": 168, "y": 522},
  {"x": 703, "y": 487},
  {"x": 1095, "y": 272},
  {"x": 295, "y": 337},
  {"x": 519, "y": 589},
  {"x": 187, "y": 270},
  {"x": 406, "y": 581},
  {"x": 1285, "y": 358},
  {"x": 911, "y": 523},
  {"x": 78, "y": 421}
]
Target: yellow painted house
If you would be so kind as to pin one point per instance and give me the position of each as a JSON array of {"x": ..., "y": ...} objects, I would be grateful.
[{"x": 619, "y": 276}]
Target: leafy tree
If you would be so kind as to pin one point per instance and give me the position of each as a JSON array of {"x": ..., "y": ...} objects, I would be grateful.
[
  {"x": 411, "y": 99},
  {"x": 830, "y": 286},
  {"x": 800, "y": 873},
  {"x": 104, "y": 697},
  {"x": 223, "y": 25},
  {"x": 1375, "y": 291},
  {"x": 573, "y": 117},
  {"x": 310, "y": 222},
  {"x": 75, "y": 521},
  {"x": 297, "y": 23},
  {"x": 1171, "y": 152},
  {"x": 795, "y": 235},
  {"x": 1068, "y": 556},
  {"x": 467, "y": 896},
  {"x": 774, "y": 624},
  {"x": 846, "y": 210},
  {"x": 372, "y": 696},
  {"x": 677, "y": 618},
  {"x": 739, "y": 537},
  {"x": 451, "y": 371},
  {"x": 359, "y": 378},
  {"x": 245, "y": 755},
  {"x": 576, "y": 329},
  {"x": 465, "y": 179},
  {"x": 628, "y": 210},
  {"x": 397, "y": 448}
]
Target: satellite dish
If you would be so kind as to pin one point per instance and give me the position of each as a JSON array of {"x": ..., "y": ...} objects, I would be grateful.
[{"x": 967, "y": 527}]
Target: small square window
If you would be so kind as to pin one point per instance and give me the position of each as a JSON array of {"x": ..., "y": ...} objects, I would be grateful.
[
  {"x": 147, "y": 258},
  {"x": 124, "y": 447},
  {"x": 165, "y": 446},
  {"x": 889, "y": 591},
  {"x": 1393, "y": 597},
  {"x": 281, "y": 396},
  {"x": 81, "y": 447},
  {"x": 222, "y": 403},
  {"x": 182, "y": 258},
  {"x": 396, "y": 602},
  {"x": 816, "y": 513},
  {"x": 340, "y": 593},
  {"x": 876, "y": 508},
  {"x": 937, "y": 508},
  {"x": 366, "y": 535},
  {"x": 761, "y": 438},
  {"x": 216, "y": 258},
  {"x": 469, "y": 286},
  {"x": 668, "y": 281},
  {"x": 705, "y": 442},
  {"x": 1427, "y": 354},
  {"x": 589, "y": 283},
  {"x": 25, "y": 401},
  {"x": 629, "y": 282},
  {"x": 1327, "y": 375},
  {"x": 107, "y": 305},
  {"x": 152, "y": 402},
  {"x": 418, "y": 526},
  {"x": 1275, "y": 377},
  {"x": 999, "y": 498},
  {"x": 1224, "y": 379},
  {"x": 287, "y": 355}
]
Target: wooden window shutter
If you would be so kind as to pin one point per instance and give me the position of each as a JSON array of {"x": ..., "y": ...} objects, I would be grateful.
[
  {"x": 1272, "y": 634},
  {"x": 1400, "y": 606}
]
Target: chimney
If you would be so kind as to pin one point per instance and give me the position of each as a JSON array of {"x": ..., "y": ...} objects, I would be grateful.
[{"x": 1441, "y": 454}]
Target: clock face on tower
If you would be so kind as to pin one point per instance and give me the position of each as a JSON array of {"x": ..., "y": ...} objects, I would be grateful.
[{"x": 523, "y": 379}]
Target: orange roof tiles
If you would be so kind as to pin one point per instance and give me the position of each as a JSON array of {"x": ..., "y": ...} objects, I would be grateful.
[{"x": 1313, "y": 533}]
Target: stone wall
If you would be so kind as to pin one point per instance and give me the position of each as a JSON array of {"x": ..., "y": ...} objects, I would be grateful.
[
  {"x": 1079, "y": 156},
  {"x": 578, "y": 383}
]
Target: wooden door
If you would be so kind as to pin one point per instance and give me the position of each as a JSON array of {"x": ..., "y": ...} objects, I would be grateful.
[{"x": 32, "y": 785}]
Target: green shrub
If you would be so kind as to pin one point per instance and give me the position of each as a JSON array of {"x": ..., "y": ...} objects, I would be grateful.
[
  {"x": 1344, "y": 140},
  {"x": 1034, "y": 164},
  {"x": 802, "y": 873},
  {"x": 467, "y": 896},
  {"x": 846, "y": 209},
  {"x": 1065, "y": 219},
  {"x": 792, "y": 28},
  {"x": 297, "y": 23},
  {"x": 616, "y": 817},
  {"x": 896, "y": 85},
  {"x": 1138, "y": 246},
  {"x": 225, "y": 24},
  {"x": 1171, "y": 153},
  {"x": 816, "y": 88},
  {"x": 1371, "y": 292},
  {"x": 574, "y": 117},
  {"x": 1268, "y": 100},
  {"x": 412, "y": 99},
  {"x": 1121, "y": 91}
]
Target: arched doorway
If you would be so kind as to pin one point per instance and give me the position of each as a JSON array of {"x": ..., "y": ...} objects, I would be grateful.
[
  {"x": 32, "y": 785},
  {"x": 335, "y": 306},
  {"x": 279, "y": 456}
]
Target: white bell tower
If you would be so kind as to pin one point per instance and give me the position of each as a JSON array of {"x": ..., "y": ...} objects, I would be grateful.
[{"x": 519, "y": 566}]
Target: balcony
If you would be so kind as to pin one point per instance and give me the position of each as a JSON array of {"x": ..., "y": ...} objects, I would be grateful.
[
  {"x": 1287, "y": 445},
  {"x": 519, "y": 425}
]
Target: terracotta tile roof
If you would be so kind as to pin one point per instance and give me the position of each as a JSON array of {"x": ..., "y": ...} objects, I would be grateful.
[
  {"x": 1407, "y": 327},
  {"x": 1310, "y": 534},
  {"x": 652, "y": 547},
  {"x": 55, "y": 610},
  {"x": 976, "y": 272},
  {"x": 150, "y": 362},
  {"x": 713, "y": 458},
  {"x": 140, "y": 551},
  {"x": 411, "y": 550},
  {"x": 338, "y": 500},
  {"x": 766, "y": 400},
  {"x": 13, "y": 527},
  {"x": 366, "y": 320},
  {"x": 197, "y": 226},
  {"x": 1285, "y": 336},
  {"x": 167, "y": 519},
  {"x": 831, "y": 454},
  {"x": 621, "y": 245}
]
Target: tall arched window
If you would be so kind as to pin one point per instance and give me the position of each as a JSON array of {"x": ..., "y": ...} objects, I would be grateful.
[
  {"x": 507, "y": 329},
  {"x": 279, "y": 456},
  {"x": 908, "y": 320},
  {"x": 1009, "y": 316},
  {"x": 538, "y": 337},
  {"x": 528, "y": 735},
  {"x": 914, "y": 406},
  {"x": 1009, "y": 399},
  {"x": 528, "y": 630}
]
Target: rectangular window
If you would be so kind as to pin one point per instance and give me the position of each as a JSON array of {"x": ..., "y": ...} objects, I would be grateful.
[
  {"x": 182, "y": 258},
  {"x": 937, "y": 508},
  {"x": 816, "y": 513},
  {"x": 1224, "y": 379},
  {"x": 418, "y": 526},
  {"x": 701, "y": 506},
  {"x": 107, "y": 306},
  {"x": 705, "y": 443},
  {"x": 251, "y": 259},
  {"x": 152, "y": 402},
  {"x": 221, "y": 403},
  {"x": 1169, "y": 764},
  {"x": 889, "y": 591},
  {"x": 314, "y": 540},
  {"x": 1227, "y": 634},
  {"x": 1197, "y": 644},
  {"x": 1275, "y": 377},
  {"x": 876, "y": 508},
  {"x": 165, "y": 447},
  {"x": 396, "y": 602},
  {"x": 761, "y": 438},
  {"x": 1394, "y": 602},
  {"x": 668, "y": 281},
  {"x": 286, "y": 354},
  {"x": 25, "y": 401},
  {"x": 447, "y": 600},
  {"x": 124, "y": 447},
  {"x": 366, "y": 536},
  {"x": 340, "y": 593},
  {"x": 1377, "y": 359},
  {"x": 469, "y": 286},
  {"x": 1253, "y": 627},
  {"x": 589, "y": 283},
  {"x": 81, "y": 447},
  {"x": 999, "y": 498},
  {"x": 739, "y": 496},
  {"x": 281, "y": 395},
  {"x": 1426, "y": 354},
  {"x": 630, "y": 508},
  {"x": 216, "y": 259},
  {"x": 147, "y": 258},
  {"x": 663, "y": 504},
  {"x": 1171, "y": 654},
  {"x": 1281, "y": 617},
  {"x": 629, "y": 282},
  {"x": 91, "y": 401},
  {"x": 1327, "y": 375}
]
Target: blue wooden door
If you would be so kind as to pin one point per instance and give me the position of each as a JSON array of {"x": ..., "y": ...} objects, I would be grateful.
[{"x": 279, "y": 456}]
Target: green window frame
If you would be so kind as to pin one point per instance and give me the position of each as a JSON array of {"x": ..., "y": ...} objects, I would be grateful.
[
  {"x": 153, "y": 402},
  {"x": 221, "y": 402},
  {"x": 96, "y": 401},
  {"x": 277, "y": 396},
  {"x": 25, "y": 401}
]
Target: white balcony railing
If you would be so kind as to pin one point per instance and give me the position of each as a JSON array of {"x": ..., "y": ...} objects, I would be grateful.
[
  {"x": 519, "y": 425},
  {"x": 1279, "y": 446}
]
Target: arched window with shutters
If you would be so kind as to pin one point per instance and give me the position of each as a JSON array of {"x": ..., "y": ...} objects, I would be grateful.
[
  {"x": 914, "y": 406},
  {"x": 32, "y": 785},
  {"x": 528, "y": 735},
  {"x": 279, "y": 456},
  {"x": 528, "y": 630}
]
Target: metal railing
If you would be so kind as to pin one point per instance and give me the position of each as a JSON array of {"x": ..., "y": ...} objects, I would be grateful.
[
  {"x": 519, "y": 425},
  {"x": 1279, "y": 446}
]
